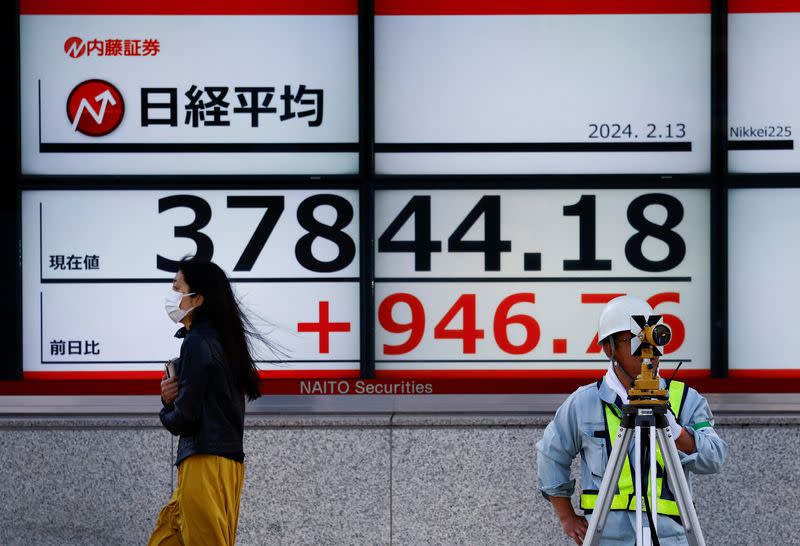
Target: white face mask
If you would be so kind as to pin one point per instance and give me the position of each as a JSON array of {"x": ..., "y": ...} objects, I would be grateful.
[{"x": 172, "y": 303}]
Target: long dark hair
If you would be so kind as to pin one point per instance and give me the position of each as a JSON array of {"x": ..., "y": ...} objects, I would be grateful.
[{"x": 221, "y": 308}]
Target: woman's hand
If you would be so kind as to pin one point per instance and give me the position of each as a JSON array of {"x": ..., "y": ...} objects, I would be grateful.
[{"x": 169, "y": 389}]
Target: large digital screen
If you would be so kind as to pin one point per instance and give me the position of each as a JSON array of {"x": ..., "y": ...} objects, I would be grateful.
[
  {"x": 139, "y": 87},
  {"x": 98, "y": 264},
  {"x": 763, "y": 111},
  {"x": 542, "y": 87},
  {"x": 763, "y": 268},
  {"x": 493, "y": 281}
]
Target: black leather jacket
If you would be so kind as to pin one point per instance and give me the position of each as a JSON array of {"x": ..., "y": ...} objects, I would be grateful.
[{"x": 208, "y": 413}]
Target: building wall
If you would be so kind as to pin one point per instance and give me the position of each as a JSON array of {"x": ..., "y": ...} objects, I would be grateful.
[{"x": 359, "y": 479}]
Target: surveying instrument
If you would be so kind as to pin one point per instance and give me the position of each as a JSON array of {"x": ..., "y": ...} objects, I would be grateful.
[{"x": 645, "y": 419}]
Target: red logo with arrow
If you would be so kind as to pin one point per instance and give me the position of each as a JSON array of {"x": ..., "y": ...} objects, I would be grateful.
[
  {"x": 95, "y": 108},
  {"x": 75, "y": 47}
]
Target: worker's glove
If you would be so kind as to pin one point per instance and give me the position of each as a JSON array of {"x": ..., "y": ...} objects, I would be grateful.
[{"x": 674, "y": 427}]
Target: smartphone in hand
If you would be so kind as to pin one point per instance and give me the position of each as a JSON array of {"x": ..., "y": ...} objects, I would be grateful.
[{"x": 169, "y": 367}]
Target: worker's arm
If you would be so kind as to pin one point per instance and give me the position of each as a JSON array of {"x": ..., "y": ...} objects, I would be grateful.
[
  {"x": 574, "y": 526},
  {"x": 702, "y": 450},
  {"x": 685, "y": 442},
  {"x": 556, "y": 450}
]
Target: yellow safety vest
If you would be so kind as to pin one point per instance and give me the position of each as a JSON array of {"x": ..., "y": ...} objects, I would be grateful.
[{"x": 625, "y": 498}]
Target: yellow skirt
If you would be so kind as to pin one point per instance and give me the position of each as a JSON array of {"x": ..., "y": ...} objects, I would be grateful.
[{"x": 204, "y": 508}]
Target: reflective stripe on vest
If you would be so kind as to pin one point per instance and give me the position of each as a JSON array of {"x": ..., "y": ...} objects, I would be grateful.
[{"x": 625, "y": 499}]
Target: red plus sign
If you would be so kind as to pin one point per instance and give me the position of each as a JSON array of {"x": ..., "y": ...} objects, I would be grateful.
[{"x": 324, "y": 327}]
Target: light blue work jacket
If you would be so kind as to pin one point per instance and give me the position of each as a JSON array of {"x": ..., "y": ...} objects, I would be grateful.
[{"x": 572, "y": 431}]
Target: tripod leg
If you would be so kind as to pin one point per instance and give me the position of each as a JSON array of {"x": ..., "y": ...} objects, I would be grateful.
[
  {"x": 683, "y": 496},
  {"x": 643, "y": 533},
  {"x": 607, "y": 487},
  {"x": 653, "y": 482},
  {"x": 637, "y": 470}
]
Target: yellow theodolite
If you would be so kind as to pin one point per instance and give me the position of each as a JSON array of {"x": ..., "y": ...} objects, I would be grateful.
[{"x": 646, "y": 390}]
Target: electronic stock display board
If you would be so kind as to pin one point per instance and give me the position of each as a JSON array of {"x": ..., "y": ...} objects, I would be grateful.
[
  {"x": 542, "y": 87},
  {"x": 763, "y": 268},
  {"x": 465, "y": 280},
  {"x": 97, "y": 265},
  {"x": 161, "y": 88},
  {"x": 507, "y": 282},
  {"x": 486, "y": 281},
  {"x": 763, "y": 120},
  {"x": 763, "y": 110},
  {"x": 143, "y": 87}
]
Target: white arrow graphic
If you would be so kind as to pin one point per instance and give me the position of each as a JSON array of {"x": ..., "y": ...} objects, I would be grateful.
[{"x": 105, "y": 98}]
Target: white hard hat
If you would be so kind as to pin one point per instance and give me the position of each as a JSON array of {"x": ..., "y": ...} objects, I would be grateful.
[{"x": 616, "y": 315}]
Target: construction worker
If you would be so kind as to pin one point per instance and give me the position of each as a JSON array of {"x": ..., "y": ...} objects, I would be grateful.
[{"x": 587, "y": 423}]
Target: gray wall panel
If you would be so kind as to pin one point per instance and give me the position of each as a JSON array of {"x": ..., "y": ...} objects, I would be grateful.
[
  {"x": 466, "y": 486},
  {"x": 360, "y": 479},
  {"x": 754, "y": 499},
  {"x": 72, "y": 486},
  {"x": 315, "y": 486}
]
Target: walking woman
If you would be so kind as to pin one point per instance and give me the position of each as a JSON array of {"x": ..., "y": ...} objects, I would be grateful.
[{"x": 204, "y": 405}]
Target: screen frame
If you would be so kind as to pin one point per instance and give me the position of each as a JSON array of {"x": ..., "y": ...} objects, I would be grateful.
[
  {"x": 364, "y": 41},
  {"x": 717, "y": 110},
  {"x": 740, "y": 179},
  {"x": 718, "y": 181}
]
